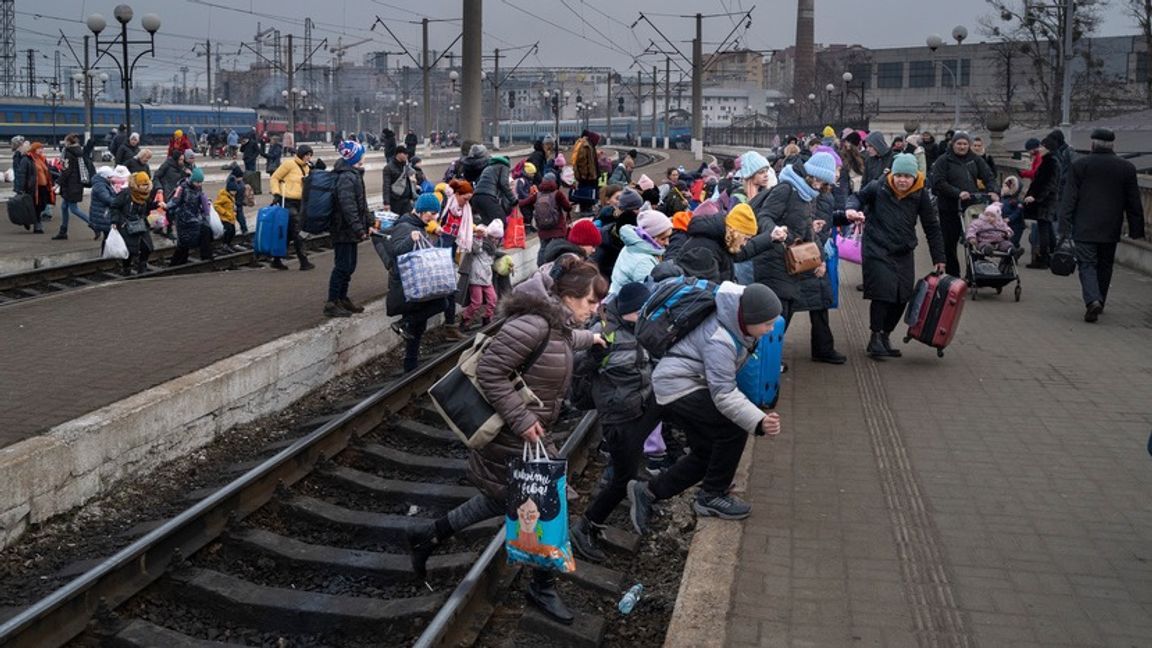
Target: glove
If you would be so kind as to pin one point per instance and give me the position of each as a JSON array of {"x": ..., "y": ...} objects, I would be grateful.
[{"x": 276, "y": 198}]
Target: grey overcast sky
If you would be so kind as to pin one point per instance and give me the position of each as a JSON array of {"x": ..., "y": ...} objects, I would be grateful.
[{"x": 572, "y": 32}]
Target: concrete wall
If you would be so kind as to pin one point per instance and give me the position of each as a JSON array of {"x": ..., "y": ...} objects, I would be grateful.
[{"x": 86, "y": 457}]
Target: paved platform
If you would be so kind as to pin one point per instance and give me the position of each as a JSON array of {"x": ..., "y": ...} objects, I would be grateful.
[
  {"x": 69, "y": 354},
  {"x": 995, "y": 497}
]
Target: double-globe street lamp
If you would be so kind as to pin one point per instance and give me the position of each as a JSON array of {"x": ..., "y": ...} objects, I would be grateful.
[
  {"x": 219, "y": 105},
  {"x": 290, "y": 96},
  {"x": 123, "y": 14},
  {"x": 934, "y": 43}
]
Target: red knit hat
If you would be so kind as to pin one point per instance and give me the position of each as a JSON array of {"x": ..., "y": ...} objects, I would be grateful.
[{"x": 584, "y": 232}]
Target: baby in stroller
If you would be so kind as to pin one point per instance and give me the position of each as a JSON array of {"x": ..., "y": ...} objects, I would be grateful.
[{"x": 990, "y": 234}]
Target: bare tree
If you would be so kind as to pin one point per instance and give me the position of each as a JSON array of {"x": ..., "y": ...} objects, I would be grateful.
[
  {"x": 1035, "y": 32},
  {"x": 1141, "y": 11}
]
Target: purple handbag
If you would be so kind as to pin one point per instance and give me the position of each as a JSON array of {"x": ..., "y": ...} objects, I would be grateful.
[{"x": 849, "y": 246}]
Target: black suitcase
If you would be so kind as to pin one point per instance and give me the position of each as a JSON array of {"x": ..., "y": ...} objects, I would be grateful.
[
  {"x": 21, "y": 210},
  {"x": 253, "y": 178}
]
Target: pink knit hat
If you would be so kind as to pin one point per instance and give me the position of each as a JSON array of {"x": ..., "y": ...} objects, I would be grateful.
[
  {"x": 560, "y": 161},
  {"x": 645, "y": 183}
]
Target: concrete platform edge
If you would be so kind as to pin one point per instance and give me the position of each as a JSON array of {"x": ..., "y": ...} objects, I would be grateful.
[
  {"x": 700, "y": 618},
  {"x": 1135, "y": 255},
  {"x": 85, "y": 457}
]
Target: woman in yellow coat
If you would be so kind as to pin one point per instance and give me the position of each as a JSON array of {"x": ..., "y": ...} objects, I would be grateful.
[{"x": 225, "y": 206}]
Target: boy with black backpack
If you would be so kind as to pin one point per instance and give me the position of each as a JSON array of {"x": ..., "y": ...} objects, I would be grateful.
[
  {"x": 695, "y": 387},
  {"x": 617, "y": 380}
]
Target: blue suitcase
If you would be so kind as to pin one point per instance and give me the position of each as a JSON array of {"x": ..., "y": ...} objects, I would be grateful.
[
  {"x": 271, "y": 231},
  {"x": 759, "y": 379}
]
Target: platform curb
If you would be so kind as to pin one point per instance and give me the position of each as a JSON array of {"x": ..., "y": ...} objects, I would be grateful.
[
  {"x": 700, "y": 618},
  {"x": 85, "y": 457}
]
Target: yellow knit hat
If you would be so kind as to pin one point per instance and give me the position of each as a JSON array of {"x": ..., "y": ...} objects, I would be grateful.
[
  {"x": 742, "y": 219},
  {"x": 529, "y": 169},
  {"x": 141, "y": 178},
  {"x": 828, "y": 132},
  {"x": 178, "y": 133}
]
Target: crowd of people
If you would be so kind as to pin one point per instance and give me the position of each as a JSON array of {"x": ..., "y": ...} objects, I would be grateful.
[{"x": 603, "y": 252}]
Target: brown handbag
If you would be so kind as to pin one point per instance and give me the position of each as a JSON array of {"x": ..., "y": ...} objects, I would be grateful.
[{"x": 802, "y": 257}]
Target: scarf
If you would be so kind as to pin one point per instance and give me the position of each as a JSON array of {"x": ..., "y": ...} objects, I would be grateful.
[
  {"x": 916, "y": 186},
  {"x": 140, "y": 193},
  {"x": 43, "y": 176},
  {"x": 799, "y": 184}
]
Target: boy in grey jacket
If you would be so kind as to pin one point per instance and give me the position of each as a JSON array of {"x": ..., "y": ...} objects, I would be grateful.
[
  {"x": 695, "y": 386},
  {"x": 622, "y": 393}
]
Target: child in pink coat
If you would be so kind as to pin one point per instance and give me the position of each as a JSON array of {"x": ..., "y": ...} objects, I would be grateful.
[{"x": 991, "y": 233}]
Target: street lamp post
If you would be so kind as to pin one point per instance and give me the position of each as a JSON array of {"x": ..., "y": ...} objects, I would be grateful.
[
  {"x": 54, "y": 96},
  {"x": 290, "y": 96},
  {"x": 123, "y": 13},
  {"x": 847, "y": 76},
  {"x": 934, "y": 43},
  {"x": 219, "y": 105},
  {"x": 829, "y": 89}
]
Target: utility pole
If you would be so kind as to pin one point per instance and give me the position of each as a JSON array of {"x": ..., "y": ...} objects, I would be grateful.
[
  {"x": 472, "y": 88},
  {"x": 667, "y": 96},
  {"x": 208, "y": 60},
  {"x": 88, "y": 117},
  {"x": 184, "y": 89},
  {"x": 1066, "y": 90},
  {"x": 426, "y": 67},
  {"x": 639, "y": 108},
  {"x": 31, "y": 72},
  {"x": 608, "y": 135},
  {"x": 698, "y": 90},
  {"x": 496, "y": 101},
  {"x": 290, "y": 136},
  {"x": 655, "y": 95}
]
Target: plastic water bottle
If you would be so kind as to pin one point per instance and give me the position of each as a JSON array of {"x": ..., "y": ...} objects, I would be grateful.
[{"x": 631, "y": 597}]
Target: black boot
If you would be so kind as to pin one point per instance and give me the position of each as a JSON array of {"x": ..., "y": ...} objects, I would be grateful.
[
  {"x": 892, "y": 352},
  {"x": 422, "y": 541},
  {"x": 543, "y": 594},
  {"x": 583, "y": 536},
  {"x": 876, "y": 348}
]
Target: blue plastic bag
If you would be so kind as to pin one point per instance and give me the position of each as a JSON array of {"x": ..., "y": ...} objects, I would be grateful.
[
  {"x": 832, "y": 261},
  {"x": 536, "y": 511}
]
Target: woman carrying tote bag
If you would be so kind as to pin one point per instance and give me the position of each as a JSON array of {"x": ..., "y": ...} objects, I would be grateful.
[{"x": 550, "y": 309}]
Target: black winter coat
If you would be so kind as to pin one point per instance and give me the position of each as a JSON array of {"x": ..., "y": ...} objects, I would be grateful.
[
  {"x": 876, "y": 167},
  {"x": 1101, "y": 190},
  {"x": 538, "y": 159},
  {"x": 1045, "y": 188},
  {"x": 135, "y": 165},
  {"x": 23, "y": 172},
  {"x": 169, "y": 175},
  {"x": 126, "y": 152},
  {"x": 350, "y": 214},
  {"x": 557, "y": 247},
  {"x": 951, "y": 175},
  {"x": 396, "y": 177},
  {"x": 889, "y": 243},
  {"x": 472, "y": 166},
  {"x": 71, "y": 189},
  {"x": 782, "y": 207},
  {"x": 707, "y": 232},
  {"x": 124, "y": 210},
  {"x": 623, "y": 382}
]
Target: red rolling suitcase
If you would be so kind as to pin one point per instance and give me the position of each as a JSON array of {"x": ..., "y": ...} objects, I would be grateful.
[{"x": 934, "y": 312}]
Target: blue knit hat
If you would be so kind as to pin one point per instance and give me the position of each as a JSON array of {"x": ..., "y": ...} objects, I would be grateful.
[
  {"x": 821, "y": 166},
  {"x": 351, "y": 150},
  {"x": 427, "y": 202},
  {"x": 750, "y": 163}
]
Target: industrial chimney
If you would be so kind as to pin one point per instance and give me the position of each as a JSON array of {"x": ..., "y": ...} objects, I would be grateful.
[{"x": 804, "y": 68}]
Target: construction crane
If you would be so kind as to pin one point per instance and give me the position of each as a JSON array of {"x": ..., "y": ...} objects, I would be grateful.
[{"x": 340, "y": 48}]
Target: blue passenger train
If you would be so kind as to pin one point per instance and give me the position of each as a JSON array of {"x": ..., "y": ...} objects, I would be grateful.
[
  {"x": 623, "y": 128},
  {"x": 33, "y": 118}
]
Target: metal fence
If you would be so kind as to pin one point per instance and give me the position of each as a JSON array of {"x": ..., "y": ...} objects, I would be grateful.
[{"x": 765, "y": 136}]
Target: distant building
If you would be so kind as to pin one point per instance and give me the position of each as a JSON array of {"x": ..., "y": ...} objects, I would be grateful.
[{"x": 743, "y": 68}]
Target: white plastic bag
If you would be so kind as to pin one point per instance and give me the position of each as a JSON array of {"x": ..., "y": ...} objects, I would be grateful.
[
  {"x": 114, "y": 246},
  {"x": 215, "y": 223}
]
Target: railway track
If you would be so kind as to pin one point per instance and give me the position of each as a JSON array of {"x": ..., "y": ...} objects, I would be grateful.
[
  {"x": 33, "y": 284},
  {"x": 307, "y": 547}
]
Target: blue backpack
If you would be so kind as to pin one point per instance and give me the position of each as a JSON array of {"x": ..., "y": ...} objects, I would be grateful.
[
  {"x": 319, "y": 201},
  {"x": 677, "y": 306}
]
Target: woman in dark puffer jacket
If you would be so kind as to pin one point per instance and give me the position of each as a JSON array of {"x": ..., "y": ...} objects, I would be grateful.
[{"x": 548, "y": 310}]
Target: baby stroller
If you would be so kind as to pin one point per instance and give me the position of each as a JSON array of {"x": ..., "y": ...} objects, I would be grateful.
[{"x": 994, "y": 269}]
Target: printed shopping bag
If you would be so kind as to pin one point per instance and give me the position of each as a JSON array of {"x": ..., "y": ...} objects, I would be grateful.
[
  {"x": 848, "y": 247},
  {"x": 427, "y": 272},
  {"x": 536, "y": 515},
  {"x": 514, "y": 234}
]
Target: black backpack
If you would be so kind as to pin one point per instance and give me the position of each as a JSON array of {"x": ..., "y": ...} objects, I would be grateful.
[{"x": 676, "y": 307}]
